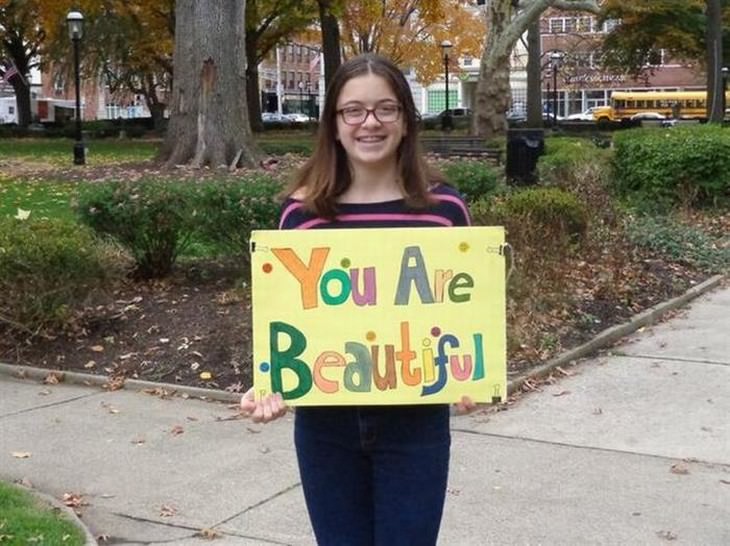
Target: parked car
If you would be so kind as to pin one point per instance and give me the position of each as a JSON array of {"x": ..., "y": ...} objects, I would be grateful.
[
  {"x": 297, "y": 117},
  {"x": 273, "y": 117},
  {"x": 649, "y": 115},
  {"x": 585, "y": 115},
  {"x": 460, "y": 117}
]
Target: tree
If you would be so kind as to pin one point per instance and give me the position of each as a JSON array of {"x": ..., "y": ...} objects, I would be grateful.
[
  {"x": 409, "y": 31},
  {"x": 715, "y": 90},
  {"x": 688, "y": 30},
  {"x": 20, "y": 41},
  {"x": 128, "y": 44},
  {"x": 328, "y": 11},
  {"x": 208, "y": 115},
  {"x": 507, "y": 20},
  {"x": 268, "y": 22}
]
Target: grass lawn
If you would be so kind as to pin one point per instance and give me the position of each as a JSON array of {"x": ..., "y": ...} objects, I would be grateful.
[
  {"x": 25, "y": 520},
  {"x": 41, "y": 199},
  {"x": 59, "y": 152}
]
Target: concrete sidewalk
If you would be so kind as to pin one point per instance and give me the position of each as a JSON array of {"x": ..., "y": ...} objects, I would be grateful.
[{"x": 631, "y": 448}]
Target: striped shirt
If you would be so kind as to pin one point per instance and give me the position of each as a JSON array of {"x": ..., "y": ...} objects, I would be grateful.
[{"x": 449, "y": 209}]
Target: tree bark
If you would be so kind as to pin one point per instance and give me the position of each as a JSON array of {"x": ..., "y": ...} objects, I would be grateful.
[
  {"x": 330, "y": 40},
  {"x": 492, "y": 92},
  {"x": 715, "y": 112},
  {"x": 534, "y": 75},
  {"x": 208, "y": 114},
  {"x": 22, "y": 101}
]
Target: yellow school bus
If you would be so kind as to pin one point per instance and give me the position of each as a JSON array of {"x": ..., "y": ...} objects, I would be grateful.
[{"x": 671, "y": 104}]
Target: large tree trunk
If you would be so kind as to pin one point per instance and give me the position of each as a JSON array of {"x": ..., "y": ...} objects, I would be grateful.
[
  {"x": 715, "y": 112},
  {"x": 534, "y": 75},
  {"x": 493, "y": 91},
  {"x": 22, "y": 101},
  {"x": 330, "y": 40},
  {"x": 208, "y": 114}
]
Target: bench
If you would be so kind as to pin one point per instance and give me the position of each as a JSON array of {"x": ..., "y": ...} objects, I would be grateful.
[{"x": 461, "y": 146}]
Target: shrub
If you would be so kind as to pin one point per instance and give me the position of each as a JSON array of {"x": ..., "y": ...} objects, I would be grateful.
[
  {"x": 678, "y": 242},
  {"x": 152, "y": 219},
  {"x": 227, "y": 212},
  {"x": 536, "y": 217},
  {"x": 47, "y": 269},
  {"x": 473, "y": 179},
  {"x": 578, "y": 166},
  {"x": 679, "y": 165}
]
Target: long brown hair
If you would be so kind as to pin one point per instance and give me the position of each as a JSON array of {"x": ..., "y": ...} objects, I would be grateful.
[{"x": 327, "y": 175}]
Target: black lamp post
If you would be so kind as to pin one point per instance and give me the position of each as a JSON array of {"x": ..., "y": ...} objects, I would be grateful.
[
  {"x": 724, "y": 92},
  {"x": 555, "y": 59},
  {"x": 446, "y": 124},
  {"x": 75, "y": 22}
]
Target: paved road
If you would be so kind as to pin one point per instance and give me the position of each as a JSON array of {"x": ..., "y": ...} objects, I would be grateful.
[{"x": 632, "y": 448}]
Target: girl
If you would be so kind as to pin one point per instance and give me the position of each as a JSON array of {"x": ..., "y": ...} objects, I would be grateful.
[{"x": 370, "y": 475}]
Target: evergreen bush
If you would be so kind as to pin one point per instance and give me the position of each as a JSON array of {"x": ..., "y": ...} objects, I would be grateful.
[
  {"x": 152, "y": 219},
  {"x": 473, "y": 179},
  {"x": 674, "y": 166},
  {"x": 48, "y": 268},
  {"x": 228, "y": 211}
]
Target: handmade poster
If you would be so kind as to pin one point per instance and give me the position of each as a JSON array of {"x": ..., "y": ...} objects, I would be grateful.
[{"x": 379, "y": 316}]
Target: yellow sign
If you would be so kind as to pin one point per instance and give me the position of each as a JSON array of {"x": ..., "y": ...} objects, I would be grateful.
[{"x": 379, "y": 316}]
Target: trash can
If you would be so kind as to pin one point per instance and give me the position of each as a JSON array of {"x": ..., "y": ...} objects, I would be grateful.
[{"x": 524, "y": 147}]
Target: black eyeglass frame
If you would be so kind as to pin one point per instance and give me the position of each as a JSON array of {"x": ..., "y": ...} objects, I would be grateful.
[{"x": 368, "y": 111}]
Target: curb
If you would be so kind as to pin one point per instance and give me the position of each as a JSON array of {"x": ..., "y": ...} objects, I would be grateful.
[
  {"x": 604, "y": 338},
  {"x": 614, "y": 333},
  {"x": 57, "y": 505}
]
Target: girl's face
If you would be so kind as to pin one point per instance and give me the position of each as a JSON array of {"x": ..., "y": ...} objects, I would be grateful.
[{"x": 370, "y": 122}]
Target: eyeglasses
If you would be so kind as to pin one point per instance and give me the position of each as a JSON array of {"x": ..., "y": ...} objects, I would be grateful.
[{"x": 356, "y": 115}]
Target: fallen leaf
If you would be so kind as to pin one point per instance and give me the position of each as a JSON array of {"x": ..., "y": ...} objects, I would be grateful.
[
  {"x": 206, "y": 375},
  {"x": 679, "y": 468},
  {"x": 138, "y": 441},
  {"x": 21, "y": 454},
  {"x": 167, "y": 511},
  {"x": 22, "y": 214},
  {"x": 666, "y": 535},
  {"x": 177, "y": 430},
  {"x": 44, "y": 392},
  {"x": 90, "y": 364},
  {"x": 97, "y": 348},
  {"x": 103, "y": 538},
  {"x": 74, "y": 500},
  {"x": 726, "y": 482},
  {"x": 114, "y": 383},
  {"x": 561, "y": 393},
  {"x": 598, "y": 411},
  {"x": 53, "y": 378},
  {"x": 208, "y": 534}
]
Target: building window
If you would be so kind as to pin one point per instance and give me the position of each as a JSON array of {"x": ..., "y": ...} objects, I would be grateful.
[
  {"x": 437, "y": 100},
  {"x": 556, "y": 25},
  {"x": 468, "y": 61}
]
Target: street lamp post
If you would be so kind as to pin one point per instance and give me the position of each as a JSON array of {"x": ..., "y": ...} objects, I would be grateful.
[
  {"x": 446, "y": 124},
  {"x": 301, "y": 96},
  {"x": 724, "y": 92},
  {"x": 555, "y": 59},
  {"x": 75, "y": 22}
]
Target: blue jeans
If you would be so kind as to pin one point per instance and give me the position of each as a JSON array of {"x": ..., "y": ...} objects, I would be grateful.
[{"x": 374, "y": 476}]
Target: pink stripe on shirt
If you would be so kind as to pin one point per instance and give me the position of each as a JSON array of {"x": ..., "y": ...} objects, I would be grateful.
[
  {"x": 378, "y": 217},
  {"x": 459, "y": 202},
  {"x": 288, "y": 210}
]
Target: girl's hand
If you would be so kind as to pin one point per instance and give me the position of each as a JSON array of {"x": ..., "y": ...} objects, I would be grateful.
[
  {"x": 464, "y": 406},
  {"x": 270, "y": 408}
]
